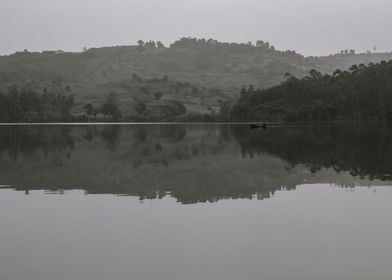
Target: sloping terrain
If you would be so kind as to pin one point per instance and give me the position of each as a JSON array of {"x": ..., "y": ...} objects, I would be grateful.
[{"x": 200, "y": 73}]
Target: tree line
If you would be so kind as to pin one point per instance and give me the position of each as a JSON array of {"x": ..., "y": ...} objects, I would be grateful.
[
  {"x": 363, "y": 93},
  {"x": 259, "y": 47},
  {"x": 27, "y": 105}
]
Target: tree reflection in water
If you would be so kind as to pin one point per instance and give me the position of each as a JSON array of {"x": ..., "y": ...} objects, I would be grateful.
[{"x": 194, "y": 163}]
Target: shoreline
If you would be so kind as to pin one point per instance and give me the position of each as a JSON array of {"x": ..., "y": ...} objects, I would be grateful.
[{"x": 269, "y": 124}]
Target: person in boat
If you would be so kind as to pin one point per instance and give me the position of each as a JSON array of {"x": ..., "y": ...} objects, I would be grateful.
[{"x": 263, "y": 126}]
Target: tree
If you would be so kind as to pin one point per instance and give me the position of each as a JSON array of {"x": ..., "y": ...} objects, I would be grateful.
[
  {"x": 110, "y": 107},
  {"x": 145, "y": 90},
  {"x": 225, "y": 110},
  {"x": 160, "y": 45},
  {"x": 137, "y": 78},
  {"x": 175, "y": 108},
  {"x": 150, "y": 44},
  {"x": 337, "y": 73},
  {"x": 260, "y": 43},
  {"x": 26, "y": 105},
  {"x": 89, "y": 108},
  {"x": 288, "y": 76},
  {"x": 157, "y": 95},
  {"x": 315, "y": 74},
  {"x": 140, "y": 107},
  {"x": 141, "y": 46},
  {"x": 70, "y": 102}
]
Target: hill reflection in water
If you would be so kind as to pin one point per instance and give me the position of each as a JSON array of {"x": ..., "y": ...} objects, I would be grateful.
[{"x": 192, "y": 163}]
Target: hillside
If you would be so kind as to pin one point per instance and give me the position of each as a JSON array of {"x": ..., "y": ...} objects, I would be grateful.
[
  {"x": 363, "y": 93},
  {"x": 212, "y": 71}
]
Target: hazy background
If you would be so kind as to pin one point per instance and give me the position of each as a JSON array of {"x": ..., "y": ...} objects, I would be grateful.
[{"x": 311, "y": 27}]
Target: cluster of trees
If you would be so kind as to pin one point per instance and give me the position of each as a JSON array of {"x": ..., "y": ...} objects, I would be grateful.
[
  {"x": 157, "y": 80},
  {"x": 347, "y": 52},
  {"x": 174, "y": 108},
  {"x": 190, "y": 42},
  {"x": 169, "y": 110},
  {"x": 109, "y": 108},
  {"x": 262, "y": 44},
  {"x": 29, "y": 106},
  {"x": 176, "y": 86},
  {"x": 150, "y": 45},
  {"x": 362, "y": 93},
  {"x": 187, "y": 42}
]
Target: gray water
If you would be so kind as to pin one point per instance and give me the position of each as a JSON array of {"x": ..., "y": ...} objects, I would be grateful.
[{"x": 195, "y": 202}]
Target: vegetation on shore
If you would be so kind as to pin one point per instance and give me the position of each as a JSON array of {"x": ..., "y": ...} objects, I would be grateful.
[
  {"x": 28, "y": 106},
  {"x": 363, "y": 93}
]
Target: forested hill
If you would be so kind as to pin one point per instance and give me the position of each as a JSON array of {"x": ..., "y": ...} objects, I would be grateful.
[
  {"x": 213, "y": 71},
  {"x": 361, "y": 93},
  {"x": 206, "y": 62}
]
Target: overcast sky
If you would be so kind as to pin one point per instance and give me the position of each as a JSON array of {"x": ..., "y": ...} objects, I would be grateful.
[{"x": 311, "y": 27}]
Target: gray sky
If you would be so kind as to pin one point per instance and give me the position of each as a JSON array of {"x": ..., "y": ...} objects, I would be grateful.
[{"x": 311, "y": 27}]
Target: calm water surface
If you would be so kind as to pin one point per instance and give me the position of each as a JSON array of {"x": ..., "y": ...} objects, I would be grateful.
[{"x": 195, "y": 202}]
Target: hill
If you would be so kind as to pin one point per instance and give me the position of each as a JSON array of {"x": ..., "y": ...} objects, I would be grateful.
[{"x": 212, "y": 71}]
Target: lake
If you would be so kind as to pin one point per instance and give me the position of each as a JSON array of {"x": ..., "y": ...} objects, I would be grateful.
[{"x": 197, "y": 201}]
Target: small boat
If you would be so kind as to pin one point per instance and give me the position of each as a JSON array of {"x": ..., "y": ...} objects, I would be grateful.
[{"x": 253, "y": 126}]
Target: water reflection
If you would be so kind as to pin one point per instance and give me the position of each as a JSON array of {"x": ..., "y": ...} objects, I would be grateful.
[
  {"x": 193, "y": 163},
  {"x": 362, "y": 150},
  {"x": 27, "y": 140}
]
